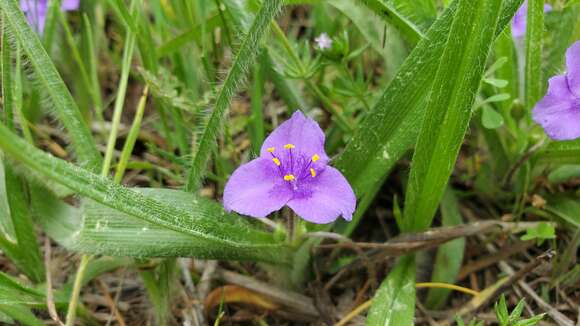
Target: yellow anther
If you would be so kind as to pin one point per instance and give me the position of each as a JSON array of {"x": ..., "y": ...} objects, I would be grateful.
[
  {"x": 271, "y": 149},
  {"x": 312, "y": 172},
  {"x": 289, "y": 177},
  {"x": 276, "y": 161},
  {"x": 315, "y": 157},
  {"x": 289, "y": 146}
]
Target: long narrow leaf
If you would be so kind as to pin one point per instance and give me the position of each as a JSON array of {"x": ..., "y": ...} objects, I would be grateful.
[
  {"x": 394, "y": 302},
  {"x": 51, "y": 83},
  {"x": 245, "y": 56},
  {"x": 391, "y": 15},
  {"x": 534, "y": 39},
  {"x": 221, "y": 237},
  {"x": 390, "y": 129},
  {"x": 449, "y": 108}
]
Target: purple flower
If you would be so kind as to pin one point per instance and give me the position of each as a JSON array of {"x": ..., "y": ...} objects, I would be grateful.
[
  {"x": 36, "y": 10},
  {"x": 520, "y": 22},
  {"x": 323, "y": 41},
  {"x": 559, "y": 111},
  {"x": 291, "y": 170}
]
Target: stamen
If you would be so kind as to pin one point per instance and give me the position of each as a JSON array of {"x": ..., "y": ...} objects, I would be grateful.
[
  {"x": 289, "y": 177},
  {"x": 289, "y": 146},
  {"x": 271, "y": 149},
  {"x": 315, "y": 157},
  {"x": 312, "y": 172},
  {"x": 276, "y": 161}
]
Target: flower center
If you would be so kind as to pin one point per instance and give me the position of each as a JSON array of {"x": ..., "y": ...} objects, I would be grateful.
[{"x": 294, "y": 167}]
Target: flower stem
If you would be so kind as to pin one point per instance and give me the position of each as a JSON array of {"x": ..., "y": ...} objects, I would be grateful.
[{"x": 73, "y": 302}]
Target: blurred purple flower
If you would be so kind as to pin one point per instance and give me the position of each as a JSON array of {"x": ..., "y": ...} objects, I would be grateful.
[
  {"x": 323, "y": 41},
  {"x": 36, "y": 10},
  {"x": 559, "y": 111},
  {"x": 291, "y": 170},
  {"x": 520, "y": 22}
]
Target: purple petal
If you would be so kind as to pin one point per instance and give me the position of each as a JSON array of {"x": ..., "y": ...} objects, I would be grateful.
[
  {"x": 68, "y": 5},
  {"x": 256, "y": 189},
  {"x": 302, "y": 132},
  {"x": 329, "y": 197},
  {"x": 573, "y": 68},
  {"x": 559, "y": 111}
]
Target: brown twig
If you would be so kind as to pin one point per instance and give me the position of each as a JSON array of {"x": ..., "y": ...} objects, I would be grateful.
[{"x": 112, "y": 305}]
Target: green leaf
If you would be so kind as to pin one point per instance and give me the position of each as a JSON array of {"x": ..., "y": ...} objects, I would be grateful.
[
  {"x": 565, "y": 208},
  {"x": 560, "y": 152},
  {"x": 390, "y": 129},
  {"x": 51, "y": 83},
  {"x": 244, "y": 58},
  {"x": 449, "y": 108},
  {"x": 389, "y": 13},
  {"x": 449, "y": 255},
  {"x": 18, "y": 239},
  {"x": 534, "y": 41},
  {"x": 394, "y": 302},
  {"x": 490, "y": 119},
  {"x": 22, "y": 314},
  {"x": 205, "y": 223}
]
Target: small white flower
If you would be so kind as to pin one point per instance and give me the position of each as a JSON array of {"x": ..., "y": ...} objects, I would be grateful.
[{"x": 323, "y": 41}]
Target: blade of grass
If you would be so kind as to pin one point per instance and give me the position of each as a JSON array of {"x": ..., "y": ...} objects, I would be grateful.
[
  {"x": 534, "y": 41},
  {"x": 22, "y": 314},
  {"x": 392, "y": 16},
  {"x": 449, "y": 255},
  {"x": 50, "y": 82},
  {"x": 448, "y": 109},
  {"x": 390, "y": 129},
  {"x": 256, "y": 120},
  {"x": 199, "y": 222},
  {"x": 394, "y": 302},
  {"x": 131, "y": 138},
  {"x": 245, "y": 56},
  {"x": 120, "y": 99}
]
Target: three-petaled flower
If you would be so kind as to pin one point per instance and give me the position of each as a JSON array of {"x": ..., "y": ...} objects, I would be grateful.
[
  {"x": 291, "y": 170},
  {"x": 36, "y": 10},
  {"x": 559, "y": 111}
]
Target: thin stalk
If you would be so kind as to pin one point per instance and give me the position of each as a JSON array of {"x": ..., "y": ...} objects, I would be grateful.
[
  {"x": 131, "y": 138},
  {"x": 77, "y": 57},
  {"x": 74, "y": 299},
  {"x": 119, "y": 101}
]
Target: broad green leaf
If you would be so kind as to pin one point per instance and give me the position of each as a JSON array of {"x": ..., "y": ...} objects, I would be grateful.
[
  {"x": 244, "y": 58},
  {"x": 564, "y": 173},
  {"x": 390, "y": 129},
  {"x": 449, "y": 255},
  {"x": 534, "y": 41},
  {"x": 449, "y": 107},
  {"x": 98, "y": 229},
  {"x": 51, "y": 83},
  {"x": 389, "y": 13},
  {"x": 205, "y": 223},
  {"x": 560, "y": 152},
  {"x": 394, "y": 302}
]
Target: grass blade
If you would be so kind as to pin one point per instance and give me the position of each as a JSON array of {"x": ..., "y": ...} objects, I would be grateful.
[
  {"x": 391, "y": 15},
  {"x": 394, "y": 302},
  {"x": 201, "y": 223},
  {"x": 50, "y": 82},
  {"x": 390, "y": 129},
  {"x": 245, "y": 56},
  {"x": 449, "y": 108},
  {"x": 449, "y": 255},
  {"x": 534, "y": 40}
]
